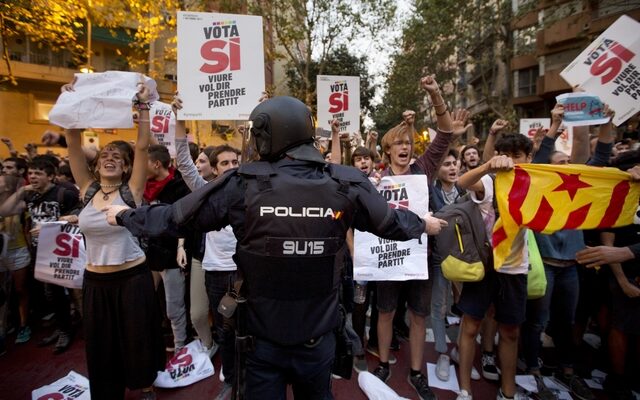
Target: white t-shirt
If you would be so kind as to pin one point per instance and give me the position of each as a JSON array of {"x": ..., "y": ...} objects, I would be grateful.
[
  {"x": 220, "y": 246},
  {"x": 517, "y": 262}
]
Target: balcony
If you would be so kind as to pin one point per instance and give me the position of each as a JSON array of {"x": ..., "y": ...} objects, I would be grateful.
[
  {"x": 553, "y": 82},
  {"x": 38, "y": 72},
  {"x": 564, "y": 31}
]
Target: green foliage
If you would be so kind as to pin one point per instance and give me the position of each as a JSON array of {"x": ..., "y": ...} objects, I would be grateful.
[
  {"x": 62, "y": 24},
  {"x": 441, "y": 38},
  {"x": 339, "y": 62},
  {"x": 307, "y": 32}
]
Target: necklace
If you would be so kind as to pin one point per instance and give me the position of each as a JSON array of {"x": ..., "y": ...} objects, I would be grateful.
[
  {"x": 105, "y": 196},
  {"x": 111, "y": 185}
]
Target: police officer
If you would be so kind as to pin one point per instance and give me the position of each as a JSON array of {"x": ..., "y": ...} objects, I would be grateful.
[{"x": 290, "y": 212}]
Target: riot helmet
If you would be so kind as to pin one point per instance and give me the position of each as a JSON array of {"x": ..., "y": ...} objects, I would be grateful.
[{"x": 280, "y": 126}]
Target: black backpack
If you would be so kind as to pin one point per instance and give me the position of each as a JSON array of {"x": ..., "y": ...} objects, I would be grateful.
[{"x": 463, "y": 246}]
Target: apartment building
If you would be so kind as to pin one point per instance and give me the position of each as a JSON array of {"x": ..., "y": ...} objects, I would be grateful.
[
  {"x": 547, "y": 36},
  {"x": 40, "y": 72}
]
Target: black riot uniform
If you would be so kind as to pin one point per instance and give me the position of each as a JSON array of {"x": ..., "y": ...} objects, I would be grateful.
[{"x": 290, "y": 213}]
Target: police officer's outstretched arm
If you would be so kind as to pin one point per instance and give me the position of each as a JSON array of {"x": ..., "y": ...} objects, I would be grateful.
[
  {"x": 204, "y": 210},
  {"x": 375, "y": 216},
  {"x": 149, "y": 221}
]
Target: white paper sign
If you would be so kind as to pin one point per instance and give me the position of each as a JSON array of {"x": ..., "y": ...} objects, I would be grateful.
[
  {"x": 609, "y": 68},
  {"x": 529, "y": 126},
  {"x": 339, "y": 98},
  {"x": 220, "y": 65},
  {"x": 72, "y": 386},
  {"x": 61, "y": 256},
  {"x": 101, "y": 100},
  {"x": 189, "y": 365},
  {"x": 377, "y": 259},
  {"x": 163, "y": 125}
]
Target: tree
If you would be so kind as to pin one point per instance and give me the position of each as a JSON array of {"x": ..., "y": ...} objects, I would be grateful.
[
  {"x": 62, "y": 24},
  {"x": 307, "y": 32},
  {"x": 339, "y": 62},
  {"x": 460, "y": 42}
]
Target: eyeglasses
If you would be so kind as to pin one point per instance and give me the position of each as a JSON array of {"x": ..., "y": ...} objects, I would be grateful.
[{"x": 401, "y": 142}]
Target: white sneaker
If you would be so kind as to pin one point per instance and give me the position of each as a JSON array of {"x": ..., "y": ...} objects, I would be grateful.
[
  {"x": 517, "y": 396},
  {"x": 464, "y": 395},
  {"x": 442, "y": 367},
  {"x": 455, "y": 357}
]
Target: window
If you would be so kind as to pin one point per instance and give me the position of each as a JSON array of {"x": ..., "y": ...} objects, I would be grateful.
[{"x": 524, "y": 82}]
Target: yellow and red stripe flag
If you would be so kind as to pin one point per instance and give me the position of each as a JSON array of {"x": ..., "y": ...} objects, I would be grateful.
[{"x": 548, "y": 198}]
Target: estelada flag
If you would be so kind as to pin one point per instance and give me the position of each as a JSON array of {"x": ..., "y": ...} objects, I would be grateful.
[{"x": 549, "y": 198}]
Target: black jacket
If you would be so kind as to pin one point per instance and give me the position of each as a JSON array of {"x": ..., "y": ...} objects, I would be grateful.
[{"x": 162, "y": 251}]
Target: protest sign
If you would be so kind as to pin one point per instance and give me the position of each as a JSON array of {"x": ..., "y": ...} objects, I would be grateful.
[
  {"x": 378, "y": 259},
  {"x": 163, "y": 125},
  {"x": 338, "y": 98},
  {"x": 189, "y": 365},
  {"x": 582, "y": 109},
  {"x": 72, "y": 386},
  {"x": 220, "y": 65},
  {"x": 608, "y": 68},
  {"x": 529, "y": 126},
  {"x": 100, "y": 100},
  {"x": 61, "y": 256}
]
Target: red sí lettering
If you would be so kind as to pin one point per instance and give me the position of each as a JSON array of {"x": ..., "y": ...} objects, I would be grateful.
[
  {"x": 160, "y": 124},
  {"x": 67, "y": 245},
  {"x": 339, "y": 102},
  {"x": 610, "y": 67},
  {"x": 214, "y": 51},
  {"x": 52, "y": 396}
]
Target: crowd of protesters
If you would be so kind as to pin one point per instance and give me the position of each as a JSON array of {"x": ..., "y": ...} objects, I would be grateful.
[{"x": 197, "y": 271}]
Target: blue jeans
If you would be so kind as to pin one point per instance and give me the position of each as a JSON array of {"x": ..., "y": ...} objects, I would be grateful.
[
  {"x": 439, "y": 295},
  {"x": 217, "y": 284},
  {"x": 557, "y": 307},
  {"x": 270, "y": 367}
]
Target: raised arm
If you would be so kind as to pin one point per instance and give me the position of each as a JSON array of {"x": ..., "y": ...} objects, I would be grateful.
[
  {"x": 371, "y": 143},
  {"x": 336, "y": 148},
  {"x": 77, "y": 160},
  {"x": 471, "y": 179},
  {"x": 139, "y": 171},
  {"x": 183, "y": 157},
  {"x": 15, "y": 203},
  {"x": 604, "y": 145},
  {"x": 436, "y": 151},
  {"x": 543, "y": 153},
  {"x": 490, "y": 145},
  {"x": 12, "y": 150}
]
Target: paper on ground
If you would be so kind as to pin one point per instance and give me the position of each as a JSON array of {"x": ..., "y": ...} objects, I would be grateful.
[
  {"x": 597, "y": 379},
  {"x": 375, "y": 389},
  {"x": 434, "y": 381},
  {"x": 452, "y": 320},
  {"x": 528, "y": 383}
]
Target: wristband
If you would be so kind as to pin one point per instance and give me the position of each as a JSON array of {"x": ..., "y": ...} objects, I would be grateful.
[
  {"x": 142, "y": 106},
  {"x": 119, "y": 220},
  {"x": 442, "y": 113}
]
